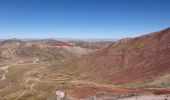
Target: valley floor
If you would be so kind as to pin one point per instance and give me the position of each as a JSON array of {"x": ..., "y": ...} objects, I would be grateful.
[{"x": 30, "y": 80}]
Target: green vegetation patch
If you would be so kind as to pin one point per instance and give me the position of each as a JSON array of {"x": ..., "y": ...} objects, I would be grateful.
[{"x": 136, "y": 46}]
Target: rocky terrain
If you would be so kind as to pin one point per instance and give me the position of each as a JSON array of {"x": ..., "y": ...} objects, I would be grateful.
[
  {"x": 128, "y": 69},
  {"x": 45, "y": 50},
  {"x": 134, "y": 61}
]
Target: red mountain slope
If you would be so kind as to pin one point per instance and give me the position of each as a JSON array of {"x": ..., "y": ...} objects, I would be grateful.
[
  {"x": 140, "y": 59},
  {"x": 59, "y": 43}
]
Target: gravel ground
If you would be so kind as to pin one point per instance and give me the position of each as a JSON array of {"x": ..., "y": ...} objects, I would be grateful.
[{"x": 149, "y": 97}]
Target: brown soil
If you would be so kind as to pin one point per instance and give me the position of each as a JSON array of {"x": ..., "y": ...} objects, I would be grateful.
[{"x": 85, "y": 89}]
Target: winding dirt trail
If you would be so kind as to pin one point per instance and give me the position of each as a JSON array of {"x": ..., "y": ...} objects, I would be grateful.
[
  {"x": 33, "y": 81},
  {"x": 24, "y": 62},
  {"x": 22, "y": 94},
  {"x": 29, "y": 82},
  {"x": 5, "y": 69}
]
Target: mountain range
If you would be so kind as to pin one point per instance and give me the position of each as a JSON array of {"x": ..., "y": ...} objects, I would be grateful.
[{"x": 36, "y": 69}]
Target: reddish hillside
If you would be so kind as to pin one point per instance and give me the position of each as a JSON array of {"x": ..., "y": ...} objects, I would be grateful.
[
  {"x": 90, "y": 45},
  {"x": 59, "y": 43},
  {"x": 140, "y": 59}
]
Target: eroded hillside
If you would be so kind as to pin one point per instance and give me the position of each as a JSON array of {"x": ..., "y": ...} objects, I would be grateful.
[
  {"x": 135, "y": 61},
  {"x": 132, "y": 67}
]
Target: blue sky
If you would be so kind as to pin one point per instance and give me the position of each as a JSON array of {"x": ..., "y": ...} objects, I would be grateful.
[{"x": 82, "y": 18}]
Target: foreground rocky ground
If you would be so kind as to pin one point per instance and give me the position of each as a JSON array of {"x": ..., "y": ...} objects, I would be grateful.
[{"x": 148, "y": 97}]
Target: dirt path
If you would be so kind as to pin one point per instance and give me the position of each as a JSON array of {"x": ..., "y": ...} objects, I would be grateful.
[
  {"x": 28, "y": 81},
  {"x": 31, "y": 82},
  {"x": 22, "y": 94},
  {"x": 5, "y": 69},
  {"x": 27, "y": 61},
  {"x": 60, "y": 77}
]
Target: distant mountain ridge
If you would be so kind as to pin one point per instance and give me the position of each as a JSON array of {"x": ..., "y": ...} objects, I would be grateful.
[{"x": 42, "y": 49}]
